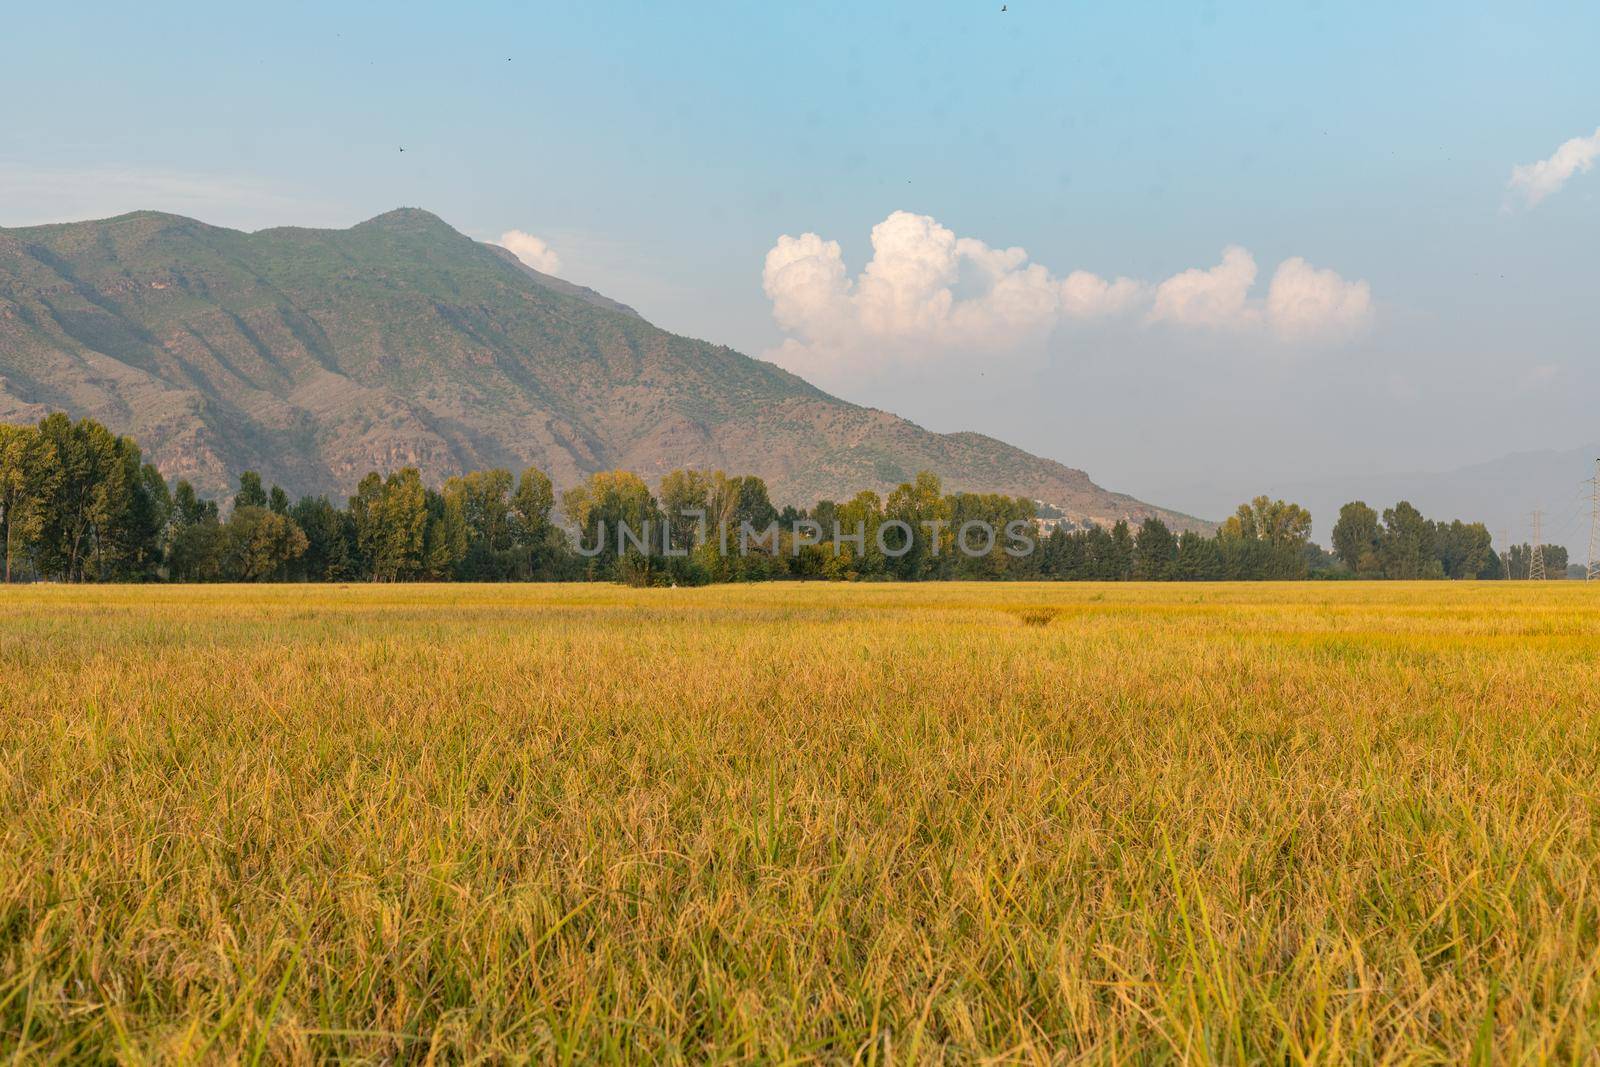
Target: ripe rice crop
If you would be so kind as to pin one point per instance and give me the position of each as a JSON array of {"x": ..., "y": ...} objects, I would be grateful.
[{"x": 1307, "y": 823}]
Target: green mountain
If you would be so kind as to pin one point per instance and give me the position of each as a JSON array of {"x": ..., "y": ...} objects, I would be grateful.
[{"x": 314, "y": 356}]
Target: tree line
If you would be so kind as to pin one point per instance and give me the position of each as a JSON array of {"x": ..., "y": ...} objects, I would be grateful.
[
  {"x": 1404, "y": 544},
  {"x": 77, "y": 503}
]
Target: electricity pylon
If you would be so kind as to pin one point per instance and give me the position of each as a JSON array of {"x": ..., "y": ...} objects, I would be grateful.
[
  {"x": 1536, "y": 555},
  {"x": 1593, "y": 573},
  {"x": 1505, "y": 554}
]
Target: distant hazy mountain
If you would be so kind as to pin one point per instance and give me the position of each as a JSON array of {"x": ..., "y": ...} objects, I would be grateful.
[
  {"x": 1501, "y": 494},
  {"x": 314, "y": 356}
]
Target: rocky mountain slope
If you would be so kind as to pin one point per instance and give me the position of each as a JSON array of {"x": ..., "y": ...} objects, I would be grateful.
[{"x": 314, "y": 356}]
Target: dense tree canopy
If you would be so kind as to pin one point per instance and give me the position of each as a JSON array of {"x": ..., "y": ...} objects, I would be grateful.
[
  {"x": 1408, "y": 545},
  {"x": 1518, "y": 558},
  {"x": 77, "y": 504}
]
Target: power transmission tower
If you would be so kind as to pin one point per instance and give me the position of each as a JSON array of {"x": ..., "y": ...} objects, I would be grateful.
[
  {"x": 1593, "y": 573},
  {"x": 1505, "y": 554},
  {"x": 1536, "y": 555}
]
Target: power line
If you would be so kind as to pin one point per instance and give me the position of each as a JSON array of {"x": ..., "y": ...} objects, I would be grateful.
[
  {"x": 1593, "y": 571},
  {"x": 1568, "y": 525}
]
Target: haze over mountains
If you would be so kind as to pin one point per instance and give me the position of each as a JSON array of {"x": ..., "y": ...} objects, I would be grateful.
[
  {"x": 1501, "y": 493},
  {"x": 315, "y": 356}
]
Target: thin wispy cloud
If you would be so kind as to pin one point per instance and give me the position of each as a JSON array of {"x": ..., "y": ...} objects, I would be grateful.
[
  {"x": 927, "y": 293},
  {"x": 1536, "y": 181}
]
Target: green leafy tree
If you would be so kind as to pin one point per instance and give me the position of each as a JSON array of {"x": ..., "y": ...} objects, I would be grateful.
[
  {"x": 963, "y": 555},
  {"x": 149, "y": 526},
  {"x": 25, "y": 485},
  {"x": 617, "y": 519},
  {"x": 686, "y": 506},
  {"x": 1464, "y": 550},
  {"x": 329, "y": 534},
  {"x": 1120, "y": 558},
  {"x": 445, "y": 542},
  {"x": 1265, "y": 539},
  {"x": 1356, "y": 537},
  {"x": 366, "y": 519},
  {"x": 481, "y": 497},
  {"x": 539, "y": 543},
  {"x": 1406, "y": 544},
  {"x": 260, "y": 543},
  {"x": 1155, "y": 552},
  {"x": 1101, "y": 560},
  {"x": 250, "y": 494},
  {"x": 742, "y": 538},
  {"x": 404, "y": 525},
  {"x": 1276, "y": 522},
  {"x": 391, "y": 523},
  {"x": 854, "y": 545},
  {"x": 86, "y": 517},
  {"x": 196, "y": 552},
  {"x": 1199, "y": 558},
  {"x": 926, "y": 538}
]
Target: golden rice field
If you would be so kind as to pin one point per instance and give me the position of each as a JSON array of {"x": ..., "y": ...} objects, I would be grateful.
[{"x": 1312, "y": 823}]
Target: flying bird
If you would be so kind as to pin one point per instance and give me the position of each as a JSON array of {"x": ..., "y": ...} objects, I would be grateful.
[{"x": 402, "y": 148}]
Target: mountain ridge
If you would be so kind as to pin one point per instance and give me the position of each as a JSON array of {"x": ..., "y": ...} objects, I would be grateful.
[{"x": 314, "y": 355}]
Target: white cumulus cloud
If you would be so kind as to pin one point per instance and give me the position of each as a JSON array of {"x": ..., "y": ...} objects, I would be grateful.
[
  {"x": 1305, "y": 303},
  {"x": 927, "y": 293},
  {"x": 1535, "y": 181},
  {"x": 531, "y": 250},
  {"x": 1302, "y": 303},
  {"x": 1089, "y": 296},
  {"x": 1216, "y": 298}
]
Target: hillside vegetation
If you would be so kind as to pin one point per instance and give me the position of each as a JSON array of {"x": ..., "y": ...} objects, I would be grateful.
[{"x": 315, "y": 356}]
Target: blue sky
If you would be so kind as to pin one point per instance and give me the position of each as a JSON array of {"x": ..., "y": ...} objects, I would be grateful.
[{"x": 662, "y": 150}]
